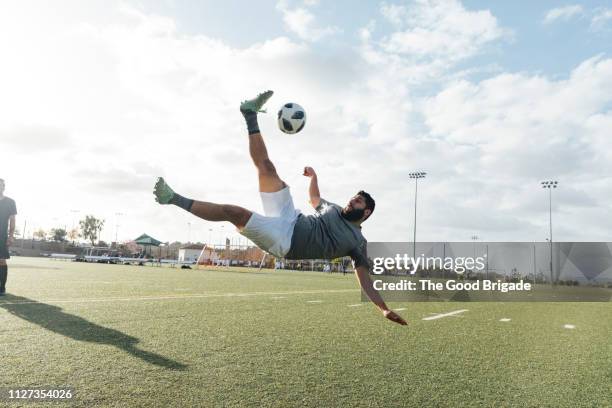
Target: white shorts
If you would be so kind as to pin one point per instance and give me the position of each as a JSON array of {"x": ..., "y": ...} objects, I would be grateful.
[{"x": 273, "y": 232}]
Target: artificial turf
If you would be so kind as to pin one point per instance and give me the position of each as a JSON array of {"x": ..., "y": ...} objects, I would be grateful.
[{"x": 149, "y": 336}]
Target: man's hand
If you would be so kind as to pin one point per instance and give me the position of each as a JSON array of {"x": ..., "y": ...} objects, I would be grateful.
[
  {"x": 394, "y": 317},
  {"x": 366, "y": 285},
  {"x": 313, "y": 189},
  {"x": 10, "y": 241},
  {"x": 309, "y": 172}
]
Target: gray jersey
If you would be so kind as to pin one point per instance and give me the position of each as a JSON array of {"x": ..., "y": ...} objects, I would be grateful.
[{"x": 327, "y": 235}]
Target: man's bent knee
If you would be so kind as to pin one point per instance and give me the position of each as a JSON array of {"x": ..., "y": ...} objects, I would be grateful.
[
  {"x": 269, "y": 181},
  {"x": 238, "y": 216},
  {"x": 271, "y": 184}
]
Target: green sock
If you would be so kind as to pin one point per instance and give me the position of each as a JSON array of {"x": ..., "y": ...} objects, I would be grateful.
[
  {"x": 251, "y": 121},
  {"x": 179, "y": 200}
]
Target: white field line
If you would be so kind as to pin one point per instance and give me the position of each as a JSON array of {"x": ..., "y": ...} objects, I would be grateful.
[
  {"x": 186, "y": 296},
  {"x": 314, "y": 301},
  {"x": 569, "y": 326},
  {"x": 399, "y": 309},
  {"x": 278, "y": 297},
  {"x": 504, "y": 319},
  {"x": 356, "y": 305},
  {"x": 439, "y": 316}
]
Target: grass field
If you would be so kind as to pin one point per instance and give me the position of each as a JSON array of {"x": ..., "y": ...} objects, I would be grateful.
[{"x": 149, "y": 336}]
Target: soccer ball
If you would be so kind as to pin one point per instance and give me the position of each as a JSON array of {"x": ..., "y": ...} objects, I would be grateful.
[{"x": 291, "y": 118}]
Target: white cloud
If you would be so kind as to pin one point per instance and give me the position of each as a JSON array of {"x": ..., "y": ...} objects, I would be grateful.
[
  {"x": 302, "y": 22},
  {"x": 563, "y": 13},
  {"x": 394, "y": 13},
  {"x": 440, "y": 29},
  {"x": 601, "y": 18},
  {"x": 35, "y": 139},
  {"x": 429, "y": 38}
]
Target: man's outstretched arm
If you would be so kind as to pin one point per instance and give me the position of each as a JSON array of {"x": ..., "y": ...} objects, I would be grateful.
[
  {"x": 366, "y": 284},
  {"x": 313, "y": 189}
]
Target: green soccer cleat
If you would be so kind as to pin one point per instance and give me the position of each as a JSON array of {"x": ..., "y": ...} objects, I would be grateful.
[
  {"x": 254, "y": 105},
  {"x": 162, "y": 191}
]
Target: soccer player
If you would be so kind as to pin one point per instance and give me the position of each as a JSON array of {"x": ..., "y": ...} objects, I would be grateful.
[
  {"x": 8, "y": 210},
  {"x": 283, "y": 231}
]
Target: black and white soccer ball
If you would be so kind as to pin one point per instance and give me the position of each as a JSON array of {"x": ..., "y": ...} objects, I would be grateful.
[{"x": 291, "y": 118}]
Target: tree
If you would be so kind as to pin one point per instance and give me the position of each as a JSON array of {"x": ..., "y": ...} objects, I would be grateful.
[
  {"x": 73, "y": 234},
  {"x": 40, "y": 234},
  {"x": 91, "y": 228},
  {"x": 132, "y": 247},
  {"x": 58, "y": 234}
]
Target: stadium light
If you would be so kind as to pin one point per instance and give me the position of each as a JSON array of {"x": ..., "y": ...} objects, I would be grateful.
[
  {"x": 117, "y": 215},
  {"x": 416, "y": 176},
  {"x": 74, "y": 212},
  {"x": 474, "y": 238},
  {"x": 550, "y": 185}
]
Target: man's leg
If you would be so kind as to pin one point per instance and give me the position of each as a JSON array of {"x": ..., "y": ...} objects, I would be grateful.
[
  {"x": 269, "y": 181},
  {"x": 3, "y": 275},
  {"x": 209, "y": 211},
  {"x": 221, "y": 212}
]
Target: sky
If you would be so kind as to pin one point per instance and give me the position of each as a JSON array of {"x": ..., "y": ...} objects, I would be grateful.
[{"x": 98, "y": 98}]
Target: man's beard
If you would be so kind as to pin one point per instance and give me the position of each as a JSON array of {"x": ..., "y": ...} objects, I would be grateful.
[{"x": 353, "y": 214}]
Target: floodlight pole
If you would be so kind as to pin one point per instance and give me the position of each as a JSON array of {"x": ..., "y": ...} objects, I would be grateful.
[
  {"x": 550, "y": 184},
  {"x": 474, "y": 238},
  {"x": 551, "y": 237},
  {"x": 443, "y": 260},
  {"x": 74, "y": 212},
  {"x": 416, "y": 176},
  {"x": 416, "y": 184},
  {"x": 534, "y": 263},
  {"x": 117, "y": 215},
  {"x": 487, "y": 263}
]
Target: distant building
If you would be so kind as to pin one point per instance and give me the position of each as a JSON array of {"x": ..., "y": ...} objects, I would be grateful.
[{"x": 189, "y": 253}]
